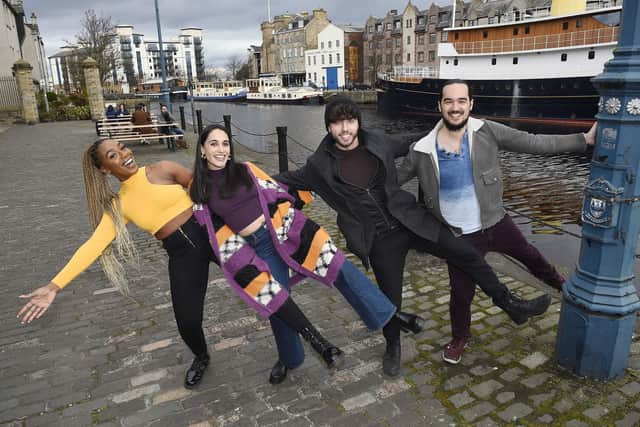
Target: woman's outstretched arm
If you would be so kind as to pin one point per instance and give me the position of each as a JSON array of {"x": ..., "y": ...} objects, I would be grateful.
[{"x": 41, "y": 298}]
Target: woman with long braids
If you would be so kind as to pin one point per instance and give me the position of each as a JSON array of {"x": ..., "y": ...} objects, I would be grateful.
[
  {"x": 258, "y": 232},
  {"x": 154, "y": 198}
]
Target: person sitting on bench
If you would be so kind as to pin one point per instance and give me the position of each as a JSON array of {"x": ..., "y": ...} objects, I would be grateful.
[
  {"x": 166, "y": 117},
  {"x": 142, "y": 117}
]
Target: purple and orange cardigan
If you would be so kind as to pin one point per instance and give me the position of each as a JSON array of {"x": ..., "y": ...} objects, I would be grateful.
[{"x": 303, "y": 245}]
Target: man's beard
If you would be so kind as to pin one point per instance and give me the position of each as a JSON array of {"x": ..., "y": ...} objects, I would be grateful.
[{"x": 454, "y": 127}]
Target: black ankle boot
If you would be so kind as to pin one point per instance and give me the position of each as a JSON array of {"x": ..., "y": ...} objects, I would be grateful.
[
  {"x": 519, "y": 310},
  {"x": 278, "y": 373},
  {"x": 391, "y": 359},
  {"x": 196, "y": 371},
  {"x": 409, "y": 322},
  {"x": 331, "y": 354}
]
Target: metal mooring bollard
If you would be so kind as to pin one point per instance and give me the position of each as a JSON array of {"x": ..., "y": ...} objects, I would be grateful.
[{"x": 283, "y": 156}]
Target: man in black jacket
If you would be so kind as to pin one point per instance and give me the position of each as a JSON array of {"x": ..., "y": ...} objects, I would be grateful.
[{"x": 353, "y": 171}]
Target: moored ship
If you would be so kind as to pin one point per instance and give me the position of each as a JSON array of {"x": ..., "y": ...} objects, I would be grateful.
[
  {"x": 529, "y": 66},
  {"x": 268, "y": 89},
  {"x": 220, "y": 91}
]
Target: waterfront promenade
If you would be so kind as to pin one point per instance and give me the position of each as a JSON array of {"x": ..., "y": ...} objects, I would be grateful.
[{"x": 98, "y": 358}]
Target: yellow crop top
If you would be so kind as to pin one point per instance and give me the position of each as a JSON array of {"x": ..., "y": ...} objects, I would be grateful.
[{"x": 149, "y": 206}]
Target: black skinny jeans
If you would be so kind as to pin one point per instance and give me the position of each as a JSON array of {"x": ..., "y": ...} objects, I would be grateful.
[
  {"x": 189, "y": 256},
  {"x": 389, "y": 252}
]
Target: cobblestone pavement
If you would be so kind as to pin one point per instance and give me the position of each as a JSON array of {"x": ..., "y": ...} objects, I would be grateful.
[{"x": 98, "y": 358}]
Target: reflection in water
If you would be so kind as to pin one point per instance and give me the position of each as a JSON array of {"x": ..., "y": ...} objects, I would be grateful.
[{"x": 546, "y": 187}]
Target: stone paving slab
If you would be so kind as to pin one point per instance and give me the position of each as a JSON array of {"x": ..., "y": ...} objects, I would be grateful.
[{"x": 98, "y": 358}]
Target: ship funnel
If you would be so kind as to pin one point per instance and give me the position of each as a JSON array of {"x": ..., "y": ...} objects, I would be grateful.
[{"x": 567, "y": 7}]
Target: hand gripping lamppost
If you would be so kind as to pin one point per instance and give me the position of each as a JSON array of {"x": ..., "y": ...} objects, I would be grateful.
[{"x": 598, "y": 313}]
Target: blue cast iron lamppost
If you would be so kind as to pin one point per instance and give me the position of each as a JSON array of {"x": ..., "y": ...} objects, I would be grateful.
[
  {"x": 598, "y": 313},
  {"x": 163, "y": 89}
]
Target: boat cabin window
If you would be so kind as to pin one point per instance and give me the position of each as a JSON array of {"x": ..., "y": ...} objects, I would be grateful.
[
  {"x": 565, "y": 25},
  {"x": 563, "y": 57},
  {"x": 485, "y": 34},
  {"x": 527, "y": 29},
  {"x": 591, "y": 54},
  {"x": 578, "y": 22},
  {"x": 515, "y": 31},
  {"x": 515, "y": 60},
  {"x": 494, "y": 61},
  {"x": 455, "y": 61},
  {"x": 456, "y": 35}
]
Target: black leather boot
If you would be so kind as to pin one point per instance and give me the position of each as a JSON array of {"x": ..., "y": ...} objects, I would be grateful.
[
  {"x": 196, "y": 371},
  {"x": 391, "y": 359},
  {"x": 331, "y": 354},
  {"x": 519, "y": 310},
  {"x": 278, "y": 373},
  {"x": 409, "y": 322}
]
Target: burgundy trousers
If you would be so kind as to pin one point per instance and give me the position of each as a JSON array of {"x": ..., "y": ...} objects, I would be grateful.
[{"x": 505, "y": 238}]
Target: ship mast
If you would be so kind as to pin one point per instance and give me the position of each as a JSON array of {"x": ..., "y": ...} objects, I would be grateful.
[{"x": 268, "y": 10}]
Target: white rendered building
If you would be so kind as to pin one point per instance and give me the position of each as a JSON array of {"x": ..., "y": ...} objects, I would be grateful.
[{"x": 324, "y": 66}]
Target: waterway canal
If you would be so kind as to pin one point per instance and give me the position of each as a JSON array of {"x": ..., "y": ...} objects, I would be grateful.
[{"x": 545, "y": 187}]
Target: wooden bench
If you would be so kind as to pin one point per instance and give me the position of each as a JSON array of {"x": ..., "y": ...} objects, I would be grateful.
[{"x": 125, "y": 131}]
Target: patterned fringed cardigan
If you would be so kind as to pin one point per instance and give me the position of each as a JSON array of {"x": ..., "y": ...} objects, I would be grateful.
[{"x": 305, "y": 246}]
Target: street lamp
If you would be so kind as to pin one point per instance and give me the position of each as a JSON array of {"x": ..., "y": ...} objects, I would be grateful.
[
  {"x": 598, "y": 315},
  {"x": 163, "y": 89}
]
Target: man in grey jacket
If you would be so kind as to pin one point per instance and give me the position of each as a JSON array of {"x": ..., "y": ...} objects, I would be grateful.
[{"x": 458, "y": 168}]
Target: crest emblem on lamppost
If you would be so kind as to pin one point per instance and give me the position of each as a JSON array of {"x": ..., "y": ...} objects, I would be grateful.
[{"x": 599, "y": 208}]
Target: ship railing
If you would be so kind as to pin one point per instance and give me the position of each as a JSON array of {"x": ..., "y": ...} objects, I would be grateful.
[
  {"x": 602, "y": 4},
  {"x": 549, "y": 41},
  {"x": 511, "y": 16},
  {"x": 410, "y": 74}
]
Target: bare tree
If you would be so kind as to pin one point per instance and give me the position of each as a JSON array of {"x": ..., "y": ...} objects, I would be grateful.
[
  {"x": 96, "y": 40},
  {"x": 243, "y": 72},
  {"x": 233, "y": 64}
]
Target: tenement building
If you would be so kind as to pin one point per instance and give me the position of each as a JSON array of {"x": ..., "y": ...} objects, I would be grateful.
[
  {"x": 285, "y": 41},
  {"x": 407, "y": 39}
]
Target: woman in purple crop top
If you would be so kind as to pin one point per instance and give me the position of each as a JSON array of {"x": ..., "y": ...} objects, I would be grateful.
[{"x": 241, "y": 199}]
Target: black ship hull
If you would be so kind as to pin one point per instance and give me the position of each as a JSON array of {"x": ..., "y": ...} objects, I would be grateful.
[{"x": 562, "y": 102}]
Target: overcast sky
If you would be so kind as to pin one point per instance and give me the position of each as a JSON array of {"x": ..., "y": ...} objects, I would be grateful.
[{"x": 230, "y": 26}]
